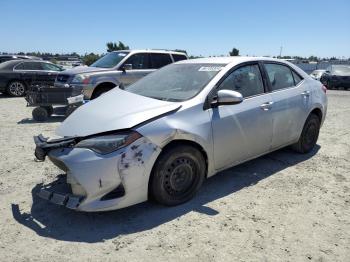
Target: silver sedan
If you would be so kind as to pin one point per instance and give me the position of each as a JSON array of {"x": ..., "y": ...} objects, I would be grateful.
[{"x": 162, "y": 136}]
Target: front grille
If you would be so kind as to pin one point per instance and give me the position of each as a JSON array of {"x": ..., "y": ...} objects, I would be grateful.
[{"x": 62, "y": 78}]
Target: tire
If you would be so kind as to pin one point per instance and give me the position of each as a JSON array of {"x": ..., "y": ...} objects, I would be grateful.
[
  {"x": 99, "y": 92},
  {"x": 177, "y": 175},
  {"x": 309, "y": 135},
  {"x": 16, "y": 89},
  {"x": 49, "y": 110},
  {"x": 40, "y": 114}
]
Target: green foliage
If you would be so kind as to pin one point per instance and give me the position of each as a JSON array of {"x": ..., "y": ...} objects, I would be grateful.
[
  {"x": 313, "y": 58},
  {"x": 234, "y": 52},
  {"x": 113, "y": 46},
  {"x": 88, "y": 59}
]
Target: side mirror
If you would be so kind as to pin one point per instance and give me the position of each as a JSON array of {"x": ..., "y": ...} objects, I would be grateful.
[
  {"x": 227, "y": 97},
  {"x": 126, "y": 67}
]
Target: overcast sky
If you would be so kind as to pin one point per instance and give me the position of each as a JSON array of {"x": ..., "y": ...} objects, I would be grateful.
[{"x": 304, "y": 28}]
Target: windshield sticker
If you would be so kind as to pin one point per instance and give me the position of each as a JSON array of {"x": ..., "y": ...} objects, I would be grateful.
[
  {"x": 122, "y": 54},
  {"x": 210, "y": 68}
]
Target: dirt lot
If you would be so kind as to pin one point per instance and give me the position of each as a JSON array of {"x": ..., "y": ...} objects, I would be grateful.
[{"x": 280, "y": 207}]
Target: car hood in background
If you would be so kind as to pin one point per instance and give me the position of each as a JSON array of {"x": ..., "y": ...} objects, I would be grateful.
[
  {"x": 114, "y": 110},
  {"x": 84, "y": 69}
]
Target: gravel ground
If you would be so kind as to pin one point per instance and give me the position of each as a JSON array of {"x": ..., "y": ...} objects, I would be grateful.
[{"x": 280, "y": 207}]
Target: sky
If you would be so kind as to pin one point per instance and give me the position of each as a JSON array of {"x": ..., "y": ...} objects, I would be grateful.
[{"x": 202, "y": 27}]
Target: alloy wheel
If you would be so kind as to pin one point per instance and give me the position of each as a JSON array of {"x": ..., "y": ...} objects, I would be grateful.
[{"x": 16, "y": 89}]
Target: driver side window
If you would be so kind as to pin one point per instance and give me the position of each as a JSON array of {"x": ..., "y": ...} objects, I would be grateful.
[{"x": 246, "y": 80}]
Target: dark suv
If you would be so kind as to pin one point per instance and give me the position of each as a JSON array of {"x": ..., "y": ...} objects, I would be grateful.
[{"x": 126, "y": 67}]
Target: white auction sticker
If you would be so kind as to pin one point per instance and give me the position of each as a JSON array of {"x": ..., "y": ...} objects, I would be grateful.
[{"x": 210, "y": 68}]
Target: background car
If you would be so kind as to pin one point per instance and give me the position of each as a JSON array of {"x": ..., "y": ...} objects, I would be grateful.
[
  {"x": 337, "y": 77},
  {"x": 4, "y": 58},
  {"x": 163, "y": 135},
  {"x": 125, "y": 66},
  {"x": 17, "y": 75},
  {"x": 316, "y": 74}
]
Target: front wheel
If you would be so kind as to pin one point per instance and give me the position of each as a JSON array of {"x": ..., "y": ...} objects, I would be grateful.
[
  {"x": 16, "y": 88},
  {"x": 178, "y": 174},
  {"x": 309, "y": 135}
]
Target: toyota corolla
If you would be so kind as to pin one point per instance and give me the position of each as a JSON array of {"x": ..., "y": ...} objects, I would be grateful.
[{"x": 161, "y": 137}]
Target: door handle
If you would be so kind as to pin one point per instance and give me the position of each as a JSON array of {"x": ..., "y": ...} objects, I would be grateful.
[
  {"x": 306, "y": 93},
  {"x": 266, "y": 106}
]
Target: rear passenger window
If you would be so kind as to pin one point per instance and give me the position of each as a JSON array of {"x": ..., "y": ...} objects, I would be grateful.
[
  {"x": 160, "y": 60},
  {"x": 29, "y": 66},
  {"x": 138, "y": 61},
  {"x": 297, "y": 78},
  {"x": 245, "y": 80},
  {"x": 280, "y": 76},
  {"x": 179, "y": 57}
]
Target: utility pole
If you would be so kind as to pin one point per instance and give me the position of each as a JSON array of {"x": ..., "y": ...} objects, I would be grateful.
[{"x": 281, "y": 51}]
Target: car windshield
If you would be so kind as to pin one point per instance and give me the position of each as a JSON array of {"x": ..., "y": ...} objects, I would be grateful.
[
  {"x": 341, "y": 70},
  {"x": 110, "y": 60},
  {"x": 176, "y": 82}
]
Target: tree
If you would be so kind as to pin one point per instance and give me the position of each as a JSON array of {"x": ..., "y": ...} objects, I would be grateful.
[
  {"x": 313, "y": 58},
  {"x": 88, "y": 59},
  {"x": 113, "y": 46},
  {"x": 234, "y": 52}
]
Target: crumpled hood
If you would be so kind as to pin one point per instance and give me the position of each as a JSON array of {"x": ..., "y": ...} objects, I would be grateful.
[
  {"x": 84, "y": 69},
  {"x": 114, "y": 110}
]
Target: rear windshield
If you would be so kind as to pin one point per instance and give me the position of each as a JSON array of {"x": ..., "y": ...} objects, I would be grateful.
[
  {"x": 110, "y": 60},
  {"x": 176, "y": 82}
]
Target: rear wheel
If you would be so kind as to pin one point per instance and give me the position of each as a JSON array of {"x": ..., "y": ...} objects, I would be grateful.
[
  {"x": 309, "y": 135},
  {"x": 178, "y": 174},
  {"x": 40, "y": 114},
  {"x": 16, "y": 88}
]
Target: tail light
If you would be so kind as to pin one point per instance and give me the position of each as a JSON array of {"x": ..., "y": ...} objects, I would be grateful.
[{"x": 324, "y": 89}]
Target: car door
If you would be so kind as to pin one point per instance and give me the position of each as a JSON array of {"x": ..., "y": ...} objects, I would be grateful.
[
  {"x": 48, "y": 73},
  {"x": 27, "y": 71},
  {"x": 244, "y": 130},
  {"x": 135, "y": 67},
  {"x": 291, "y": 100}
]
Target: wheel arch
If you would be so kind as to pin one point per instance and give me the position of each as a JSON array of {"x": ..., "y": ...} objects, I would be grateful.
[
  {"x": 16, "y": 80},
  {"x": 178, "y": 142},
  {"x": 107, "y": 85},
  {"x": 318, "y": 112}
]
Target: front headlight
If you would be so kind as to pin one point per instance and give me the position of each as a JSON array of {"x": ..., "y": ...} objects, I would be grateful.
[
  {"x": 108, "y": 143},
  {"x": 81, "y": 79}
]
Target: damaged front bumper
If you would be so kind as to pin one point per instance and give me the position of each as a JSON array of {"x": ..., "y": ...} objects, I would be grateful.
[
  {"x": 59, "y": 193},
  {"x": 97, "y": 182}
]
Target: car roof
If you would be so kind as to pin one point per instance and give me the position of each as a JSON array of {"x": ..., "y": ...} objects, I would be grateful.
[
  {"x": 11, "y": 63},
  {"x": 227, "y": 60},
  {"x": 152, "y": 51}
]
